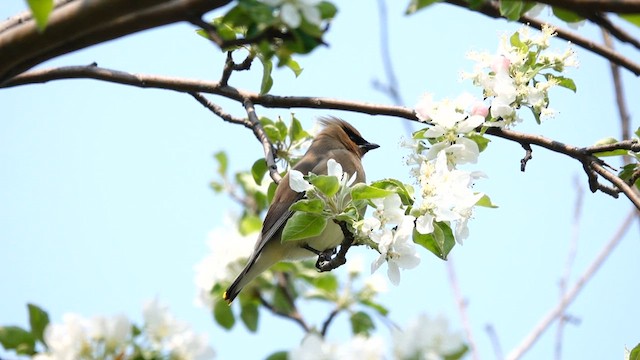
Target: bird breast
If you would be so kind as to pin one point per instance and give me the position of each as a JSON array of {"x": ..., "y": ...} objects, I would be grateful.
[{"x": 330, "y": 238}]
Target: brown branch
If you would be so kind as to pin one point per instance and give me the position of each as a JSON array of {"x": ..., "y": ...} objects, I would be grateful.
[
  {"x": 273, "y": 101},
  {"x": 615, "y": 31},
  {"x": 568, "y": 298},
  {"x": 616, "y": 6},
  {"x": 632, "y": 145},
  {"x": 295, "y": 316},
  {"x": 491, "y": 9},
  {"x": 327, "y": 322},
  {"x": 78, "y": 24},
  {"x": 495, "y": 342},
  {"x": 230, "y": 66},
  {"x": 258, "y": 130}
]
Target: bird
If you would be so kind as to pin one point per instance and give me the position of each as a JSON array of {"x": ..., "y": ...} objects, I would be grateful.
[{"x": 337, "y": 140}]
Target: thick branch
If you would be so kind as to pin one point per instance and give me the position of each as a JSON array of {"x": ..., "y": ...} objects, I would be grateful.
[
  {"x": 250, "y": 98},
  {"x": 616, "y": 6},
  {"x": 78, "y": 24}
]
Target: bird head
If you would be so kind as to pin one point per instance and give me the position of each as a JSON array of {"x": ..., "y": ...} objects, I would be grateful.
[{"x": 346, "y": 134}]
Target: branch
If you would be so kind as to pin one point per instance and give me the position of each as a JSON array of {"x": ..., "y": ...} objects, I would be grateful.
[
  {"x": 249, "y": 99},
  {"x": 568, "y": 298},
  {"x": 77, "y": 24},
  {"x": 341, "y": 257},
  {"x": 492, "y": 10},
  {"x": 327, "y": 322},
  {"x": 258, "y": 130},
  {"x": 295, "y": 316},
  {"x": 462, "y": 309},
  {"x": 617, "y": 6}
]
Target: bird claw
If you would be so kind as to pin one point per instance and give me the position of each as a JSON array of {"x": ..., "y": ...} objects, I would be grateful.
[{"x": 327, "y": 261}]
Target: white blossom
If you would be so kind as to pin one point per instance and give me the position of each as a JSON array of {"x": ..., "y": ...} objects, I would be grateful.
[
  {"x": 292, "y": 11},
  {"x": 297, "y": 181},
  {"x": 426, "y": 338},
  {"x": 396, "y": 248},
  {"x": 227, "y": 248}
]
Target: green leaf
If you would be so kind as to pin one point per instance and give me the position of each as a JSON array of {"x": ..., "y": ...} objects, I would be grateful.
[
  {"x": 249, "y": 224},
  {"x": 404, "y": 190},
  {"x": 326, "y": 282},
  {"x": 517, "y": 43},
  {"x": 279, "y": 355},
  {"x": 296, "y": 132},
  {"x": 566, "y": 15},
  {"x": 223, "y": 315},
  {"x": 273, "y": 133},
  {"x": 294, "y": 66},
  {"x": 361, "y": 323},
  {"x": 267, "y": 80},
  {"x": 632, "y": 18},
  {"x": 609, "y": 141},
  {"x": 258, "y": 170},
  {"x": 38, "y": 320},
  {"x": 485, "y": 201},
  {"x": 456, "y": 355},
  {"x": 439, "y": 242},
  {"x": 377, "y": 307},
  {"x": 249, "y": 314},
  {"x": 281, "y": 301},
  {"x": 565, "y": 82},
  {"x": 511, "y": 9},
  {"x": 328, "y": 185},
  {"x": 17, "y": 339},
  {"x": 327, "y": 10},
  {"x": 41, "y": 10},
  {"x": 303, "y": 225},
  {"x": 363, "y": 191},
  {"x": 416, "y": 5},
  {"x": 637, "y": 132},
  {"x": 635, "y": 353},
  {"x": 223, "y": 162},
  {"x": 308, "y": 205}
]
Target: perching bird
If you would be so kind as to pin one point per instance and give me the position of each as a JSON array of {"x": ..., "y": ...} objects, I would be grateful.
[{"x": 338, "y": 140}]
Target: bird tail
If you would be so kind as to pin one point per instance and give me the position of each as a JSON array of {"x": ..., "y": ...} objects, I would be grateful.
[{"x": 254, "y": 267}]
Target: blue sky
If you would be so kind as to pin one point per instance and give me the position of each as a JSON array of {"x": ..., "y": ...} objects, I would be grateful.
[{"x": 105, "y": 200}]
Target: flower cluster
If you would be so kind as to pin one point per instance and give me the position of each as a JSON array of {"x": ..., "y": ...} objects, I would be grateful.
[
  {"x": 161, "y": 337},
  {"x": 292, "y": 11},
  {"x": 391, "y": 230},
  {"x": 423, "y": 338},
  {"x": 520, "y": 74}
]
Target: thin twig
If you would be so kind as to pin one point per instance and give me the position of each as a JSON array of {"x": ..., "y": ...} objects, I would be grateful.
[
  {"x": 568, "y": 298},
  {"x": 495, "y": 341},
  {"x": 291, "y": 316},
  {"x": 269, "y": 155},
  {"x": 327, "y": 322},
  {"x": 462, "y": 309},
  {"x": 568, "y": 265},
  {"x": 621, "y": 184}
]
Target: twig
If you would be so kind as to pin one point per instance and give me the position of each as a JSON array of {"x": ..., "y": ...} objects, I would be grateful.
[
  {"x": 462, "y": 308},
  {"x": 617, "y": 6},
  {"x": 495, "y": 342},
  {"x": 295, "y": 316},
  {"x": 614, "y": 30},
  {"x": 621, "y": 184},
  {"x": 571, "y": 254},
  {"x": 527, "y": 156},
  {"x": 230, "y": 66},
  {"x": 258, "y": 130},
  {"x": 327, "y": 322},
  {"x": 341, "y": 257},
  {"x": 568, "y": 298},
  {"x": 625, "y": 125}
]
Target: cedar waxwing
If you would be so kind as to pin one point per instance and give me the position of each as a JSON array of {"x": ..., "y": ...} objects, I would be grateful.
[{"x": 339, "y": 141}]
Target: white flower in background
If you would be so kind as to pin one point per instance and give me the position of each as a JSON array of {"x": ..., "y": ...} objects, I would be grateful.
[
  {"x": 396, "y": 247},
  {"x": 292, "y": 11},
  {"x": 113, "y": 331},
  {"x": 426, "y": 338},
  {"x": 362, "y": 348},
  {"x": 68, "y": 340},
  {"x": 159, "y": 324},
  {"x": 313, "y": 347},
  {"x": 188, "y": 345},
  {"x": 228, "y": 247}
]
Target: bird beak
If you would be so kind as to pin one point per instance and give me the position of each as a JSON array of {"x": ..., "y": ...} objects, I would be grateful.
[{"x": 368, "y": 146}]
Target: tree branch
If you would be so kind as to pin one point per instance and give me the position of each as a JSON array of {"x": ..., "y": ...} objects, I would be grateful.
[
  {"x": 462, "y": 309},
  {"x": 249, "y": 99},
  {"x": 568, "y": 298},
  {"x": 491, "y": 9},
  {"x": 78, "y": 24},
  {"x": 295, "y": 316},
  {"x": 258, "y": 130},
  {"x": 617, "y": 6}
]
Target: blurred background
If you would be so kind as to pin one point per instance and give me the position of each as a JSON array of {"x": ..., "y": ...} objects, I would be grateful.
[{"x": 105, "y": 200}]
